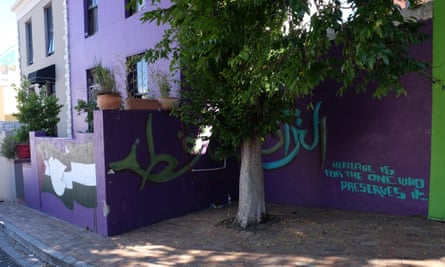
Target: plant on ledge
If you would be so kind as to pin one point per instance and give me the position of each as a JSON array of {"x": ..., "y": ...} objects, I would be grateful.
[
  {"x": 108, "y": 97},
  {"x": 163, "y": 82}
]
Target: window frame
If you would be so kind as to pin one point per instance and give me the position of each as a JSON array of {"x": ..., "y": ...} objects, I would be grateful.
[
  {"x": 91, "y": 17},
  {"x": 137, "y": 76},
  {"x": 29, "y": 43},
  {"x": 49, "y": 30},
  {"x": 131, "y": 11},
  {"x": 92, "y": 85}
]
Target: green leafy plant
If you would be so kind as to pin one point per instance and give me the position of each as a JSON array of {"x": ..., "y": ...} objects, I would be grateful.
[
  {"x": 162, "y": 81},
  {"x": 37, "y": 111},
  {"x": 106, "y": 80},
  {"x": 87, "y": 107},
  {"x": 8, "y": 147}
]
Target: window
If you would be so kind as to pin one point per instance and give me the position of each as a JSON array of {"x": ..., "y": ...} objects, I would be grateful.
[
  {"x": 50, "y": 88},
  {"x": 29, "y": 48},
  {"x": 140, "y": 5},
  {"x": 91, "y": 85},
  {"x": 91, "y": 23},
  {"x": 137, "y": 76},
  {"x": 49, "y": 30},
  {"x": 91, "y": 95}
]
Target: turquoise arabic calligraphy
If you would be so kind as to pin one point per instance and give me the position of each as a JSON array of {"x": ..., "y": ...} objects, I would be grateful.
[
  {"x": 299, "y": 139},
  {"x": 130, "y": 162}
]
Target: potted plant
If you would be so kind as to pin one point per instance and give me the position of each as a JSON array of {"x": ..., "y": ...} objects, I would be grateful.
[
  {"x": 108, "y": 97},
  {"x": 37, "y": 111},
  {"x": 21, "y": 136},
  {"x": 141, "y": 102},
  {"x": 162, "y": 81}
]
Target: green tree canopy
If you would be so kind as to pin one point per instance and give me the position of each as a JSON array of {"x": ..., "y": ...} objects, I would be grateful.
[{"x": 245, "y": 62}]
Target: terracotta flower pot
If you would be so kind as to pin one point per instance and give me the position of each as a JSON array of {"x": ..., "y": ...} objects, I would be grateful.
[
  {"x": 108, "y": 101},
  {"x": 168, "y": 103},
  {"x": 141, "y": 104}
]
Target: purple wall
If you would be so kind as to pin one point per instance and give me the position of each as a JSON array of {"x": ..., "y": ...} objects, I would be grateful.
[
  {"x": 39, "y": 190},
  {"x": 391, "y": 135},
  {"x": 132, "y": 204},
  {"x": 73, "y": 179}
]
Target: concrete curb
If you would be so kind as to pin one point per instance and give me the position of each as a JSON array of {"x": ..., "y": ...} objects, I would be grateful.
[
  {"x": 15, "y": 251},
  {"x": 39, "y": 248}
]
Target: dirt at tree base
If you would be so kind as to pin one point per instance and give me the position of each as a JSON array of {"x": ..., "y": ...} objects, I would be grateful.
[
  {"x": 314, "y": 232},
  {"x": 232, "y": 224}
]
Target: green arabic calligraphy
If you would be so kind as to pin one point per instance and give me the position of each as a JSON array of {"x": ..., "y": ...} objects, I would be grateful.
[{"x": 169, "y": 172}]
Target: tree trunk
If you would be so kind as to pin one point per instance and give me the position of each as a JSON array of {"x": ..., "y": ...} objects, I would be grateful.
[{"x": 252, "y": 203}]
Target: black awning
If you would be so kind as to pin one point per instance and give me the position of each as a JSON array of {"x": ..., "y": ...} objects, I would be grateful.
[{"x": 43, "y": 75}]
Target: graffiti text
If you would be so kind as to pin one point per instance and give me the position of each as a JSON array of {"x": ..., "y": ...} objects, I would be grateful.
[{"x": 381, "y": 181}]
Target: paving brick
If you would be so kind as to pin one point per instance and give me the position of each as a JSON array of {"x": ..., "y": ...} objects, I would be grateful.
[{"x": 297, "y": 237}]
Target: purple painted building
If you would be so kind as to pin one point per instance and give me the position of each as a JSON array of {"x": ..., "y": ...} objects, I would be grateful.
[
  {"x": 109, "y": 33},
  {"x": 137, "y": 167}
]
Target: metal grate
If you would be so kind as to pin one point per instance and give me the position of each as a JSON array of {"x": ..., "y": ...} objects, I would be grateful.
[{"x": 9, "y": 125}]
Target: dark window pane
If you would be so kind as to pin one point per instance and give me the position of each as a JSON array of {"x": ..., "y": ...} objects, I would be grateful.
[
  {"x": 130, "y": 11},
  {"x": 29, "y": 46},
  {"x": 137, "y": 76},
  {"x": 92, "y": 17},
  {"x": 49, "y": 31}
]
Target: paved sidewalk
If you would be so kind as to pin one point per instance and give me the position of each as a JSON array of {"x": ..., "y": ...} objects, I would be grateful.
[{"x": 296, "y": 237}]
